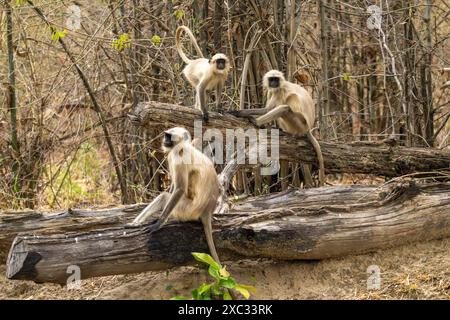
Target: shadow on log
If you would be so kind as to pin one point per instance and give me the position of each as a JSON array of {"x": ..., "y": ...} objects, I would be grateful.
[
  {"x": 296, "y": 224},
  {"x": 369, "y": 158}
]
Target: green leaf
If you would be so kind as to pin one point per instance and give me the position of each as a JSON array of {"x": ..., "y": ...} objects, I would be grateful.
[
  {"x": 207, "y": 259},
  {"x": 206, "y": 296},
  {"x": 195, "y": 294},
  {"x": 214, "y": 272},
  {"x": 252, "y": 289},
  {"x": 346, "y": 77},
  {"x": 156, "y": 40},
  {"x": 179, "y": 14},
  {"x": 227, "y": 283},
  {"x": 216, "y": 290},
  {"x": 19, "y": 2},
  {"x": 224, "y": 273},
  {"x": 123, "y": 41},
  {"x": 227, "y": 296},
  {"x": 56, "y": 35},
  {"x": 179, "y": 298},
  {"x": 203, "y": 288},
  {"x": 242, "y": 291}
]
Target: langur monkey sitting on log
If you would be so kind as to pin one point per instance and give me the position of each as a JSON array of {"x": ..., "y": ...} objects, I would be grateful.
[
  {"x": 293, "y": 109},
  {"x": 203, "y": 74},
  {"x": 194, "y": 187}
]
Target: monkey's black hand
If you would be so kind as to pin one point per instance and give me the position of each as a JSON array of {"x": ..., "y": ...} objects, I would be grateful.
[
  {"x": 234, "y": 113},
  {"x": 205, "y": 117},
  {"x": 252, "y": 120},
  {"x": 154, "y": 225}
]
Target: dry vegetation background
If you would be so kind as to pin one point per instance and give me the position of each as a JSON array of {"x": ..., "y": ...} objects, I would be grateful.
[
  {"x": 66, "y": 141},
  {"x": 62, "y": 147}
]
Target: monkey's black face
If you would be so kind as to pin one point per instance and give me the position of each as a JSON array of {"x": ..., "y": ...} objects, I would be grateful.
[
  {"x": 168, "y": 141},
  {"x": 274, "y": 82},
  {"x": 221, "y": 64}
]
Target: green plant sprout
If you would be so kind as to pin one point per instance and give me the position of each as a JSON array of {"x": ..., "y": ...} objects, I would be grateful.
[
  {"x": 179, "y": 14},
  {"x": 223, "y": 282},
  {"x": 122, "y": 42},
  {"x": 56, "y": 34},
  {"x": 156, "y": 40}
]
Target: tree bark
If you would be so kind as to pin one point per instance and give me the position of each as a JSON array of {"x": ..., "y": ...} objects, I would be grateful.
[
  {"x": 13, "y": 223},
  {"x": 368, "y": 158},
  {"x": 324, "y": 95},
  {"x": 296, "y": 224},
  {"x": 11, "y": 106}
]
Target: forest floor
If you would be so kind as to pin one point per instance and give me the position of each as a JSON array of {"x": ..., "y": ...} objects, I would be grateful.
[{"x": 414, "y": 271}]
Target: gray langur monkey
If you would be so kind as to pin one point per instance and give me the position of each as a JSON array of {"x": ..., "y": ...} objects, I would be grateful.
[
  {"x": 293, "y": 109},
  {"x": 203, "y": 74},
  {"x": 194, "y": 187}
]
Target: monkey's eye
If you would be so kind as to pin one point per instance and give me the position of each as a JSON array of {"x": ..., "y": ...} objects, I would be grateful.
[{"x": 167, "y": 136}]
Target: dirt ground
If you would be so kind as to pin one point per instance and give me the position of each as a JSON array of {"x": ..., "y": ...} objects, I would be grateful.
[{"x": 415, "y": 271}]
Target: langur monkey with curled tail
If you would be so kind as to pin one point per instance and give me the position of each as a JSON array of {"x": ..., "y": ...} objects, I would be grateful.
[
  {"x": 194, "y": 187},
  {"x": 293, "y": 109},
  {"x": 203, "y": 74}
]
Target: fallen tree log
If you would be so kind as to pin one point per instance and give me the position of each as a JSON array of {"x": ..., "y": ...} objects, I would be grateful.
[
  {"x": 296, "y": 224},
  {"x": 72, "y": 220},
  {"x": 371, "y": 158}
]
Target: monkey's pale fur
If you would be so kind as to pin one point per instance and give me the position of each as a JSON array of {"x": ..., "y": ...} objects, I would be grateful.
[
  {"x": 203, "y": 74},
  {"x": 293, "y": 109},
  {"x": 297, "y": 98},
  {"x": 193, "y": 171},
  {"x": 195, "y": 186}
]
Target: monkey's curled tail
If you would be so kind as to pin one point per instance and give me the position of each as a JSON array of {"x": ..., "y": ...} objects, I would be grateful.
[{"x": 183, "y": 56}]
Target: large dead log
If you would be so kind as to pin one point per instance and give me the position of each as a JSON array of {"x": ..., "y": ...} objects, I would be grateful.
[
  {"x": 72, "y": 220},
  {"x": 296, "y": 224},
  {"x": 371, "y": 158}
]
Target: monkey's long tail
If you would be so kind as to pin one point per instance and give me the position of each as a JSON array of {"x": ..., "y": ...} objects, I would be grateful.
[
  {"x": 209, "y": 239},
  {"x": 183, "y": 56},
  {"x": 318, "y": 151},
  {"x": 212, "y": 248}
]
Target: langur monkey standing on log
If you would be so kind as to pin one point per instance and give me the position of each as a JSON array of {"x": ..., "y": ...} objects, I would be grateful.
[
  {"x": 293, "y": 109},
  {"x": 194, "y": 187},
  {"x": 203, "y": 74}
]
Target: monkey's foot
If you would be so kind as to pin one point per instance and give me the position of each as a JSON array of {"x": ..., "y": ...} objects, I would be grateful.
[
  {"x": 205, "y": 117},
  {"x": 252, "y": 120},
  {"x": 238, "y": 114},
  {"x": 154, "y": 225}
]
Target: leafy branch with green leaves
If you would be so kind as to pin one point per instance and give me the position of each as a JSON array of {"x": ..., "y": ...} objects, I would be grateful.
[{"x": 223, "y": 282}]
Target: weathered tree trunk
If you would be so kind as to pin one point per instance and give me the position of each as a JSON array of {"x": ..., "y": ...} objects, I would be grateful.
[
  {"x": 368, "y": 158},
  {"x": 12, "y": 104},
  {"x": 11, "y": 224},
  {"x": 296, "y": 224}
]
